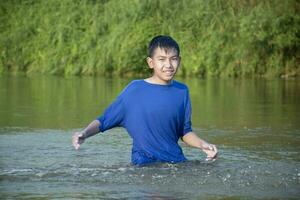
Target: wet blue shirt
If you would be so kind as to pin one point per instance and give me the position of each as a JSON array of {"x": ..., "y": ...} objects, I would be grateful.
[{"x": 155, "y": 116}]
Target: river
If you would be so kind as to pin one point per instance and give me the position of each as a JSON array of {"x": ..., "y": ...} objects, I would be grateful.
[{"x": 254, "y": 122}]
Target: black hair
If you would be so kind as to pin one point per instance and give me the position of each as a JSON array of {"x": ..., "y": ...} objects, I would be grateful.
[{"x": 164, "y": 42}]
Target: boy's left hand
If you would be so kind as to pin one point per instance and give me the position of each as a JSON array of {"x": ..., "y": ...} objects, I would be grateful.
[{"x": 211, "y": 152}]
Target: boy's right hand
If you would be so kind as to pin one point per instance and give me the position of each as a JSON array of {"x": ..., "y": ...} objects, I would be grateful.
[{"x": 77, "y": 139}]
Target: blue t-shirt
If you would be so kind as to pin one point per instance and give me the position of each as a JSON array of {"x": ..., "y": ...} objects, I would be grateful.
[{"x": 155, "y": 116}]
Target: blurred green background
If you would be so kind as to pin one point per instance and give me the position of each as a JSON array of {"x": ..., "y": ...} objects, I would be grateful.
[{"x": 220, "y": 38}]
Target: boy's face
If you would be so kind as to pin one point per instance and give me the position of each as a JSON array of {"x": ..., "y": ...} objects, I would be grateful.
[{"x": 164, "y": 63}]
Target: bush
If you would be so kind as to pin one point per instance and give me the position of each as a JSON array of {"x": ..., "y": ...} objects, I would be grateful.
[{"x": 89, "y": 37}]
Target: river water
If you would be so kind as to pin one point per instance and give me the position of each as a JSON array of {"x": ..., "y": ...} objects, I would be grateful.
[{"x": 254, "y": 122}]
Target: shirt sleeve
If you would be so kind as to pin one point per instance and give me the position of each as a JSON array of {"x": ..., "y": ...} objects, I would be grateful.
[
  {"x": 113, "y": 116},
  {"x": 187, "y": 127}
]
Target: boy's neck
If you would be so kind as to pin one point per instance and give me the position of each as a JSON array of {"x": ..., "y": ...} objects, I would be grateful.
[{"x": 155, "y": 80}]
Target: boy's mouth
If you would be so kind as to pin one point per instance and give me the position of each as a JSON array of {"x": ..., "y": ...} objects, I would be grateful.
[{"x": 169, "y": 72}]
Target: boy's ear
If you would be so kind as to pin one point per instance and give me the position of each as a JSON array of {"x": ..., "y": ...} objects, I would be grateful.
[{"x": 150, "y": 62}]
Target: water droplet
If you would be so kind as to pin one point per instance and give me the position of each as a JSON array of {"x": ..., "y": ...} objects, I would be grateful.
[
  {"x": 105, "y": 173},
  {"x": 122, "y": 169},
  {"x": 40, "y": 174}
]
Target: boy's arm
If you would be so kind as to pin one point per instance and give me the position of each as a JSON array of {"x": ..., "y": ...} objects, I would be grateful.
[
  {"x": 90, "y": 130},
  {"x": 194, "y": 141}
]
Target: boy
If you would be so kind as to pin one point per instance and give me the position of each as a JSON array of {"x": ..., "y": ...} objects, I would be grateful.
[{"x": 156, "y": 111}]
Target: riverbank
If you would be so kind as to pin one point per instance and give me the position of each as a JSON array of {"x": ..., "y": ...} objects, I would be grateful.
[{"x": 110, "y": 37}]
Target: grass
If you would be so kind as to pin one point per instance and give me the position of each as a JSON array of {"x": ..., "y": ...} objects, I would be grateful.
[{"x": 218, "y": 38}]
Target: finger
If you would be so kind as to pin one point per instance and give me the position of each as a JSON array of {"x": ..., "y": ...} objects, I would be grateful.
[
  {"x": 212, "y": 154},
  {"x": 211, "y": 160},
  {"x": 76, "y": 146},
  {"x": 75, "y": 142},
  {"x": 214, "y": 148},
  {"x": 215, "y": 155}
]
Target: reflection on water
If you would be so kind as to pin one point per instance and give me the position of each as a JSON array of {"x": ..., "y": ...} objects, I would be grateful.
[
  {"x": 253, "y": 122},
  {"x": 56, "y": 102}
]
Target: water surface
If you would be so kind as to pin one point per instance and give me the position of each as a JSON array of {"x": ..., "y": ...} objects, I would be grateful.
[{"x": 255, "y": 124}]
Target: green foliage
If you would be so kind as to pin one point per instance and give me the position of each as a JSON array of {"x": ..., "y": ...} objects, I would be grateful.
[{"x": 89, "y": 37}]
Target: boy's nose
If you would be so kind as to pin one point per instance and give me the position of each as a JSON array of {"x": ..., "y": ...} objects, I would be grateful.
[{"x": 168, "y": 64}]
